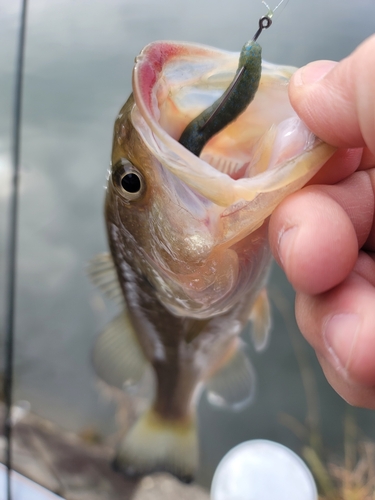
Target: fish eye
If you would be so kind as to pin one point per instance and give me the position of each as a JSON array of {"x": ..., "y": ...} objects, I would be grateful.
[
  {"x": 128, "y": 180},
  {"x": 131, "y": 183}
]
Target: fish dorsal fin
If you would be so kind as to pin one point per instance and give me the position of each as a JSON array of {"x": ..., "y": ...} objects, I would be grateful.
[
  {"x": 117, "y": 356},
  {"x": 260, "y": 317},
  {"x": 102, "y": 272},
  {"x": 233, "y": 385}
]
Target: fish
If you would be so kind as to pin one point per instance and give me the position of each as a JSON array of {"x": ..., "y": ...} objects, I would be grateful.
[{"x": 189, "y": 258}]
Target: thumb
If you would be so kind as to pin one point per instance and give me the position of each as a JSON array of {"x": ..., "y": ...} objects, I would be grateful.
[{"x": 337, "y": 100}]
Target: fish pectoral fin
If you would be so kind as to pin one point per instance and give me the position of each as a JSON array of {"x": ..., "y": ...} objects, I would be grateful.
[
  {"x": 233, "y": 385},
  {"x": 102, "y": 273},
  {"x": 260, "y": 317},
  {"x": 156, "y": 444},
  {"x": 117, "y": 357}
]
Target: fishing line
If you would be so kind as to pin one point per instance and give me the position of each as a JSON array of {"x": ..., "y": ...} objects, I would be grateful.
[
  {"x": 12, "y": 248},
  {"x": 271, "y": 12}
]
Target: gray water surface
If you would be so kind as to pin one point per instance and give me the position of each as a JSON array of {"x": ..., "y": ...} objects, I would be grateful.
[{"x": 79, "y": 59}]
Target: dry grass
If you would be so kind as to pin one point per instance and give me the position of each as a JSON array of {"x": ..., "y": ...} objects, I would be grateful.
[{"x": 351, "y": 479}]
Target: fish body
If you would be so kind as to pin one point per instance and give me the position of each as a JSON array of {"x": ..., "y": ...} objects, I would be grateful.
[{"x": 188, "y": 242}]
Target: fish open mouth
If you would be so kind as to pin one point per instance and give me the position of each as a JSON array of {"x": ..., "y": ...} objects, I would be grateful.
[
  {"x": 208, "y": 245},
  {"x": 266, "y": 149}
]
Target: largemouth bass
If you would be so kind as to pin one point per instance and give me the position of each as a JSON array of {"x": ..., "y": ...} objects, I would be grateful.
[{"x": 189, "y": 256}]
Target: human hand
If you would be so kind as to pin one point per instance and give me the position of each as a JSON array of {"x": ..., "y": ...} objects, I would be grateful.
[{"x": 323, "y": 236}]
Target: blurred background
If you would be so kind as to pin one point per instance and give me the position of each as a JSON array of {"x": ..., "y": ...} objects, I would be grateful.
[{"x": 79, "y": 59}]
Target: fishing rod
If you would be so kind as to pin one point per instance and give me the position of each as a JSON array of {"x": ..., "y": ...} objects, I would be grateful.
[{"x": 10, "y": 300}]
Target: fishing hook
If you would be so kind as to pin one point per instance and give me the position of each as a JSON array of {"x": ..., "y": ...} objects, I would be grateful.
[
  {"x": 237, "y": 96},
  {"x": 224, "y": 98},
  {"x": 235, "y": 99},
  {"x": 264, "y": 23}
]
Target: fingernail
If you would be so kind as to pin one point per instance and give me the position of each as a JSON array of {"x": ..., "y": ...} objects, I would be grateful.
[
  {"x": 340, "y": 336},
  {"x": 312, "y": 73},
  {"x": 285, "y": 243}
]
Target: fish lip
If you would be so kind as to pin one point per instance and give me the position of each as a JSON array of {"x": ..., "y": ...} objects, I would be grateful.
[{"x": 194, "y": 171}]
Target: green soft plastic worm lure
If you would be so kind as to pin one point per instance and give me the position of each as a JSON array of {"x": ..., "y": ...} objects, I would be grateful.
[{"x": 235, "y": 99}]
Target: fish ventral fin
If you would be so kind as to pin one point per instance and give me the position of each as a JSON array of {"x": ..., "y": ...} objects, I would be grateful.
[
  {"x": 155, "y": 444},
  {"x": 102, "y": 273},
  {"x": 117, "y": 357},
  {"x": 233, "y": 385},
  {"x": 260, "y": 317}
]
